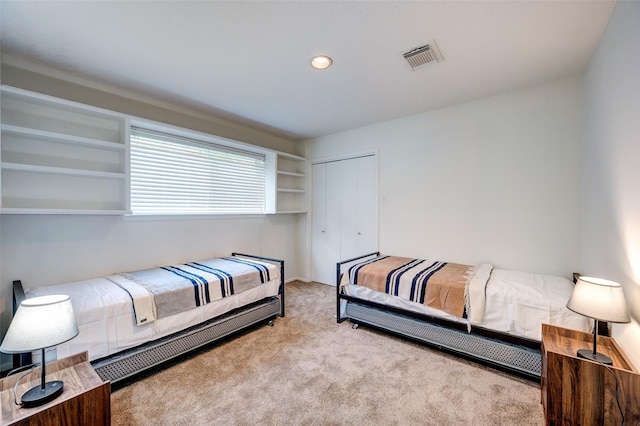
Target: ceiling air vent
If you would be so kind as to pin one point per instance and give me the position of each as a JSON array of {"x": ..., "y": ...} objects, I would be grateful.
[{"x": 424, "y": 55}]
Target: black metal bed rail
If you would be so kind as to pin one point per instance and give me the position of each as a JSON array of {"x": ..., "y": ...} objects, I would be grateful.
[
  {"x": 338, "y": 273},
  {"x": 274, "y": 260},
  {"x": 455, "y": 325},
  {"x": 18, "y": 296}
]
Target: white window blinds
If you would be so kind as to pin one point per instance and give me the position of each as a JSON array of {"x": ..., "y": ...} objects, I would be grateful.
[{"x": 175, "y": 175}]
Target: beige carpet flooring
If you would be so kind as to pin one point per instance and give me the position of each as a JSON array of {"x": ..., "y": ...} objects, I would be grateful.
[{"x": 309, "y": 370}]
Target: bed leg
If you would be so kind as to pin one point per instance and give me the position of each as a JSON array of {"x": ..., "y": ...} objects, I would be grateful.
[
  {"x": 282, "y": 288},
  {"x": 338, "y": 319}
]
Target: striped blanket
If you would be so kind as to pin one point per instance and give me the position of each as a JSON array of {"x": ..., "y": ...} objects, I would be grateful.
[
  {"x": 161, "y": 292},
  {"x": 440, "y": 285}
]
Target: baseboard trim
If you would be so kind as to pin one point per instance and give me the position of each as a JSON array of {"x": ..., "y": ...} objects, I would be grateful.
[{"x": 304, "y": 280}]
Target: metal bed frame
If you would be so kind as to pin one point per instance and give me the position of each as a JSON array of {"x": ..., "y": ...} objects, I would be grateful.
[
  {"x": 516, "y": 355},
  {"x": 131, "y": 362}
]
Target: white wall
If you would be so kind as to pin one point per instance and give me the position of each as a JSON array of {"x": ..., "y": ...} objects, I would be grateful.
[
  {"x": 29, "y": 76},
  {"x": 496, "y": 180},
  {"x": 610, "y": 229},
  {"x": 43, "y": 250}
]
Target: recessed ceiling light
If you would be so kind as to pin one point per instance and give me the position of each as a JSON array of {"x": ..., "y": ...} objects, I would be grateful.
[{"x": 321, "y": 62}]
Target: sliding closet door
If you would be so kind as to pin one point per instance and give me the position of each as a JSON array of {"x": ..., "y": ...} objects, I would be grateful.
[
  {"x": 367, "y": 205},
  {"x": 348, "y": 193},
  {"x": 359, "y": 212},
  {"x": 326, "y": 221},
  {"x": 333, "y": 214},
  {"x": 319, "y": 251},
  {"x": 344, "y": 213}
]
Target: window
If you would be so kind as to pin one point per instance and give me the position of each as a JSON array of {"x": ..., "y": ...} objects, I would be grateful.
[{"x": 172, "y": 174}]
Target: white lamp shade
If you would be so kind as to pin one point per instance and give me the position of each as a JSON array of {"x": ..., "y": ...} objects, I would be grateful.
[
  {"x": 39, "y": 323},
  {"x": 599, "y": 299}
]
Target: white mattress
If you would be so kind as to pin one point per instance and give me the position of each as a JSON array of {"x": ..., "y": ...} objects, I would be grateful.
[
  {"x": 516, "y": 303},
  {"x": 106, "y": 319},
  {"x": 519, "y": 303}
]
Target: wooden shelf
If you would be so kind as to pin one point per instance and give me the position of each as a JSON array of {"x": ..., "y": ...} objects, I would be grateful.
[
  {"x": 579, "y": 391},
  {"x": 85, "y": 399},
  {"x": 284, "y": 173},
  {"x": 299, "y": 191},
  {"x": 58, "y": 155},
  {"x": 61, "y": 138},
  {"x": 61, "y": 171},
  {"x": 96, "y": 212},
  {"x": 290, "y": 156}
]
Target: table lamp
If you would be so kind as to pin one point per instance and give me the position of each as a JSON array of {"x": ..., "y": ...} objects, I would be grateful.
[
  {"x": 39, "y": 323},
  {"x": 602, "y": 300}
]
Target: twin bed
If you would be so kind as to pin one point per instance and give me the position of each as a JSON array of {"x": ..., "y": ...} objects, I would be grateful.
[
  {"x": 131, "y": 322},
  {"x": 480, "y": 312},
  {"x": 134, "y": 321}
]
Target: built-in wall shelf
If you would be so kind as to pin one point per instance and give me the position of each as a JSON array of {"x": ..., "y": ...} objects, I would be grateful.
[
  {"x": 61, "y": 171},
  {"x": 60, "y": 137},
  {"x": 64, "y": 211},
  {"x": 288, "y": 183},
  {"x": 61, "y": 157},
  {"x": 283, "y": 173},
  {"x": 299, "y": 191}
]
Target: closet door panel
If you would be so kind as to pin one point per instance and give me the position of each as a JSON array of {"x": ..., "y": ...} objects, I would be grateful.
[
  {"x": 367, "y": 205},
  {"x": 349, "y": 208},
  {"x": 319, "y": 250},
  {"x": 344, "y": 221},
  {"x": 333, "y": 234}
]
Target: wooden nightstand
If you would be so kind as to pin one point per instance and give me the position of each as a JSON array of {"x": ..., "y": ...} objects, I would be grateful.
[
  {"x": 576, "y": 391},
  {"x": 85, "y": 400}
]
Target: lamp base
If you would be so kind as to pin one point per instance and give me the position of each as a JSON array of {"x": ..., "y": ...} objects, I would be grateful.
[
  {"x": 37, "y": 396},
  {"x": 597, "y": 357}
]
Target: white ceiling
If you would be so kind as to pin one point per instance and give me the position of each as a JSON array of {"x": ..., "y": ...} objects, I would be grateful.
[{"x": 250, "y": 59}]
